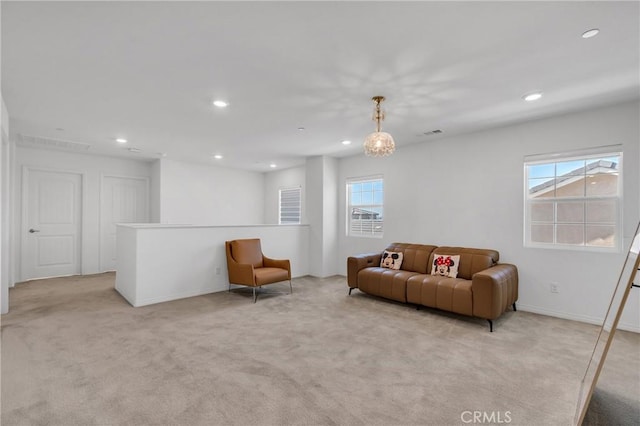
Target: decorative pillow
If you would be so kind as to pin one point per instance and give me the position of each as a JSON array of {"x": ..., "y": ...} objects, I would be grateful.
[
  {"x": 391, "y": 259},
  {"x": 445, "y": 265}
]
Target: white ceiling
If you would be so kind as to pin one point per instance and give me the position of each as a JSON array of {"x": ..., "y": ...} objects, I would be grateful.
[{"x": 148, "y": 71}]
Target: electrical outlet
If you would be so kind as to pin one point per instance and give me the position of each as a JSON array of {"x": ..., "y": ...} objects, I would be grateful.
[
  {"x": 554, "y": 288},
  {"x": 217, "y": 270}
]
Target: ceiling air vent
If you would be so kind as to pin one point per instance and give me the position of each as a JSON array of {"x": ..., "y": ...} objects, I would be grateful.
[
  {"x": 46, "y": 143},
  {"x": 433, "y": 132}
]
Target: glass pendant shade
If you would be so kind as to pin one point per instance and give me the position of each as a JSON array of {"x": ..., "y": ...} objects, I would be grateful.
[{"x": 379, "y": 144}]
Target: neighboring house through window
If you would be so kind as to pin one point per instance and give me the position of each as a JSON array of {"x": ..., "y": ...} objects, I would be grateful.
[
  {"x": 290, "y": 206},
  {"x": 574, "y": 200},
  {"x": 365, "y": 213}
]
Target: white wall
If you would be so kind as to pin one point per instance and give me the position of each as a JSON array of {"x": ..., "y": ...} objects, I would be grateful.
[
  {"x": 321, "y": 205},
  {"x": 281, "y": 179},
  {"x": 209, "y": 195},
  {"x": 168, "y": 262},
  {"x": 92, "y": 167},
  {"x": 5, "y": 118},
  {"x": 4, "y": 205},
  {"x": 154, "y": 192},
  {"x": 314, "y": 202},
  {"x": 330, "y": 217},
  {"x": 468, "y": 190},
  {"x": 6, "y": 153}
]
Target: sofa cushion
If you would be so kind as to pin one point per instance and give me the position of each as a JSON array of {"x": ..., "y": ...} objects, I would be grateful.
[
  {"x": 384, "y": 282},
  {"x": 472, "y": 260},
  {"x": 391, "y": 259},
  {"x": 445, "y": 265},
  {"x": 435, "y": 291},
  {"x": 415, "y": 256}
]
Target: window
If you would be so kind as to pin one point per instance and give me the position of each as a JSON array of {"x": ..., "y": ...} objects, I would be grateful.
[
  {"x": 365, "y": 207},
  {"x": 574, "y": 201},
  {"x": 290, "y": 206}
]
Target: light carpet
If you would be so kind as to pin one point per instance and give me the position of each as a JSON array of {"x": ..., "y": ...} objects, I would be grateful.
[{"x": 74, "y": 352}]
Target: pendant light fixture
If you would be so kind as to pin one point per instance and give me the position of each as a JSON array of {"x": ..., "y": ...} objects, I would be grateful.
[{"x": 379, "y": 144}]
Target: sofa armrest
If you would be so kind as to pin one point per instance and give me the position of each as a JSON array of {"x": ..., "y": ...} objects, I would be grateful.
[
  {"x": 494, "y": 290},
  {"x": 277, "y": 263},
  {"x": 359, "y": 262}
]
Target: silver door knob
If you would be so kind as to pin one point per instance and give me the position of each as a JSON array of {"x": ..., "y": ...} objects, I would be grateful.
[{"x": 31, "y": 231}]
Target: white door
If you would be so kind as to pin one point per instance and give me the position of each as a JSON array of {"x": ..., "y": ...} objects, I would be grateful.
[
  {"x": 123, "y": 200},
  {"x": 52, "y": 216}
]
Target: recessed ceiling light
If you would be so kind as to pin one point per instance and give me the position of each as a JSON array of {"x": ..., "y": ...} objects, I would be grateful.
[
  {"x": 590, "y": 33},
  {"x": 220, "y": 104},
  {"x": 134, "y": 150},
  {"x": 273, "y": 165},
  {"x": 301, "y": 129},
  {"x": 346, "y": 142},
  {"x": 218, "y": 157},
  {"x": 532, "y": 96},
  {"x": 121, "y": 140}
]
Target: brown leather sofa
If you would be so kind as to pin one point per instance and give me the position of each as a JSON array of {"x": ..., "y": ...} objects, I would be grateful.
[{"x": 483, "y": 288}]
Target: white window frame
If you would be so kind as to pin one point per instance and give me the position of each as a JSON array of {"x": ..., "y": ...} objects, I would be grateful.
[
  {"x": 290, "y": 190},
  {"x": 349, "y": 231},
  {"x": 534, "y": 160}
]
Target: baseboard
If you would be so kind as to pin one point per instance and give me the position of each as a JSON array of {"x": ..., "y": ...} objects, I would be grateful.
[
  {"x": 581, "y": 318},
  {"x": 125, "y": 295},
  {"x": 176, "y": 296}
]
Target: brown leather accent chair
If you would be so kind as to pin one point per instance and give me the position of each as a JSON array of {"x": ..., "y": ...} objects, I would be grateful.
[{"x": 248, "y": 266}]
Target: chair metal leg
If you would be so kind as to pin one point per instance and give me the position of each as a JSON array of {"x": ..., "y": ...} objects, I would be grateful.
[
  {"x": 350, "y": 290},
  {"x": 229, "y": 290},
  {"x": 490, "y": 325},
  {"x": 255, "y": 296},
  {"x": 290, "y": 288},
  {"x": 514, "y": 306}
]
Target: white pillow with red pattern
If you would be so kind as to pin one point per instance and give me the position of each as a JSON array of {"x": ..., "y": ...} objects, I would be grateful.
[{"x": 445, "y": 265}]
